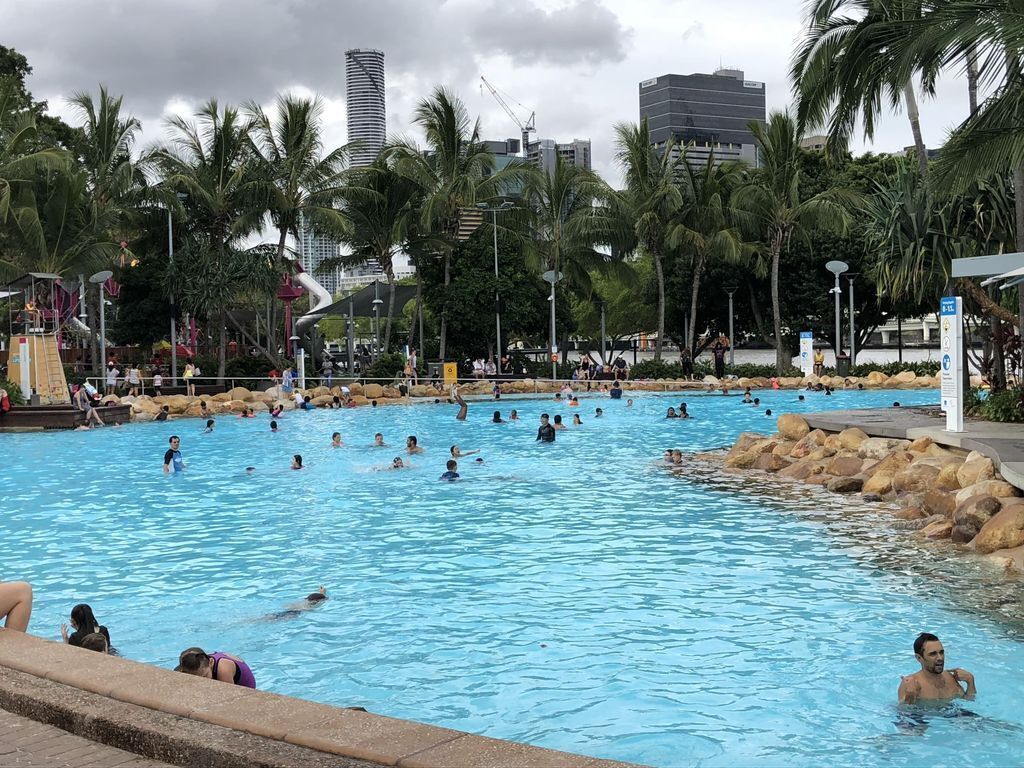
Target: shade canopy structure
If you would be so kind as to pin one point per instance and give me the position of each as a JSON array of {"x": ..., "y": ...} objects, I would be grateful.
[
  {"x": 1012, "y": 278},
  {"x": 987, "y": 266},
  {"x": 360, "y": 303}
]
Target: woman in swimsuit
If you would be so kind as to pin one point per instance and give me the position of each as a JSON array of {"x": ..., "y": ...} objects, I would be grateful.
[{"x": 216, "y": 666}]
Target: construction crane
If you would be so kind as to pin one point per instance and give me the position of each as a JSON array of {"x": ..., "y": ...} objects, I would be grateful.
[{"x": 526, "y": 127}]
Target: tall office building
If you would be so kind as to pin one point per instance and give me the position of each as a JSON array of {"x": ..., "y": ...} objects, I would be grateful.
[
  {"x": 314, "y": 249},
  {"x": 708, "y": 112},
  {"x": 364, "y": 91},
  {"x": 542, "y": 153}
]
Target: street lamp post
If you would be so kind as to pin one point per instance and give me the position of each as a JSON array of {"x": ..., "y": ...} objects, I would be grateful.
[
  {"x": 837, "y": 268},
  {"x": 853, "y": 324},
  {"x": 376, "y": 331},
  {"x": 732, "y": 340},
  {"x": 174, "y": 319},
  {"x": 600, "y": 304},
  {"x": 100, "y": 278},
  {"x": 505, "y": 206},
  {"x": 553, "y": 277}
]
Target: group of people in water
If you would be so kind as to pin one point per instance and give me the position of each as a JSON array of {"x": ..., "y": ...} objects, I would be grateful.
[{"x": 932, "y": 682}]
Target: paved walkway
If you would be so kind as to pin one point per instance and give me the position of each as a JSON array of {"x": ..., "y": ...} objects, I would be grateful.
[
  {"x": 27, "y": 744},
  {"x": 1003, "y": 443}
]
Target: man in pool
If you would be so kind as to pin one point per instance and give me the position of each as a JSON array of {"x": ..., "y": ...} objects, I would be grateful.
[
  {"x": 172, "y": 459},
  {"x": 452, "y": 472},
  {"x": 932, "y": 682},
  {"x": 378, "y": 441},
  {"x": 412, "y": 446},
  {"x": 546, "y": 432}
]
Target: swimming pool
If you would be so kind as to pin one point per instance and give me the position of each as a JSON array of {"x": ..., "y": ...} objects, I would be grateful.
[{"x": 573, "y": 596}]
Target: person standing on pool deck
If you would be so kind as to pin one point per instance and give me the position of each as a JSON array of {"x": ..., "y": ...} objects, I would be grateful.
[
  {"x": 546, "y": 432},
  {"x": 718, "y": 351},
  {"x": 932, "y": 682},
  {"x": 216, "y": 666},
  {"x": 173, "y": 456}
]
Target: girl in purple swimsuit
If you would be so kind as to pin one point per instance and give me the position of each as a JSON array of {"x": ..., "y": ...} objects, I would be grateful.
[{"x": 217, "y": 666}]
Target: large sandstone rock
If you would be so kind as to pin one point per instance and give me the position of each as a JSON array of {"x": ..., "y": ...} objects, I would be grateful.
[
  {"x": 145, "y": 405},
  {"x": 240, "y": 393},
  {"x": 947, "y": 479},
  {"x": 916, "y": 477},
  {"x": 744, "y": 441},
  {"x": 373, "y": 391},
  {"x": 936, "y": 502},
  {"x": 941, "y": 529},
  {"x": 921, "y": 444},
  {"x": 820, "y": 453},
  {"x": 904, "y": 377},
  {"x": 792, "y": 427},
  {"x": 879, "y": 483},
  {"x": 783, "y": 448},
  {"x": 807, "y": 444},
  {"x": 175, "y": 403},
  {"x": 797, "y": 470},
  {"x": 220, "y": 397},
  {"x": 975, "y": 470},
  {"x": 1003, "y": 531},
  {"x": 833, "y": 444},
  {"x": 423, "y": 390},
  {"x": 845, "y": 466},
  {"x": 877, "y": 378},
  {"x": 910, "y": 513},
  {"x": 976, "y": 511},
  {"x": 917, "y": 525},
  {"x": 852, "y": 438},
  {"x": 962, "y": 534},
  {"x": 392, "y": 392},
  {"x": 143, "y": 416},
  {"x": 997, "y": 488},
  {"x": 769, "y": 462},
  {"x": 880, "y": 447},
  {"x": 322, "y": 401},
  {"x": 845, "y": 484}
]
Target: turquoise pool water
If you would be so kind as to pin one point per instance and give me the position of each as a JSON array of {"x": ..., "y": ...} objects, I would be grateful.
[{"x": 575, "y": 596}]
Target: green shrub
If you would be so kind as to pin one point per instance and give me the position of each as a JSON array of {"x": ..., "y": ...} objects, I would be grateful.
[
  {"x": 656, "y": 369},
  {"x": 13, "y": 392},
  {"x": 752, "y": 370},
  {"x": 925, "y": 368},
  {"x": 1007, "y": 406},
  {"x": 387, "y": 366}
]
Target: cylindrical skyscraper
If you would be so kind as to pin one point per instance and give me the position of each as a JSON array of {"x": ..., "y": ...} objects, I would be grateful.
[{"x": 364, "y": 89}]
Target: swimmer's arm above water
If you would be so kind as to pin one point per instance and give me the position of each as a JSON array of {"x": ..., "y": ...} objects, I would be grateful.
[
  {"x": 910, "y": 690},
  {"x": 963, "y": 676}
]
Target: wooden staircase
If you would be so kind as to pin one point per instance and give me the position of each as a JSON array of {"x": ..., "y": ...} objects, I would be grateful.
[{"x": 46, "y": 372}]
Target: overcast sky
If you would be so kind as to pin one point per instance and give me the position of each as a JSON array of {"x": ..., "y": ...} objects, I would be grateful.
[{"x": 576, "y": 62}]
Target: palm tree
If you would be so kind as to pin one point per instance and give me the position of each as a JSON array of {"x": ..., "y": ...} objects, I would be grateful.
[
  {"x": 773, "y": 204},
  {"x": 845, "y": 68},
  {"x": 706, "y": 228},
  {"x": 453, "y": 174},
  {"x": 212, "y": 160},
  {"x": 383, "y": 209},
  {"x": 650, "y": 203}
]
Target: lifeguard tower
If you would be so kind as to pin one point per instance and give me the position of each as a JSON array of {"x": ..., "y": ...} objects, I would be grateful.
[{"x": 35, "y": 325}]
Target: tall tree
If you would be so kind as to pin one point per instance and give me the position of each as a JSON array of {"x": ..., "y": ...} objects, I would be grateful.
[
  {"x": 455, "y": 172},
  {"x": 773, "y": 203},
  {"x": 212, "y": 161},
  {"x": 650, "y": 202}
]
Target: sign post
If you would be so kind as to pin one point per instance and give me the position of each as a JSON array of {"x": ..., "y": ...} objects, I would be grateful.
[
  {"x": 951, "y": 315},
  {"x": 807, "y": 352},
  {"x": 25, "y": 367}
]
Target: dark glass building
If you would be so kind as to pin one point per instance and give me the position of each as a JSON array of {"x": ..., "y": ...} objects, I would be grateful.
[{"x": 711, "y": 112}]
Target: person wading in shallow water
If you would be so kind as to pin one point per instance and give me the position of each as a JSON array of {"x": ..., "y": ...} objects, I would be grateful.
[{"x": 933, "y": 682}]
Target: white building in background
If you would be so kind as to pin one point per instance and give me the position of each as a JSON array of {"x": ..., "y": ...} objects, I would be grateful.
[
  {"x": 314, "y": 249},
  {"x": 365, "y": 104},
  {"x": 542, "y": 153}
]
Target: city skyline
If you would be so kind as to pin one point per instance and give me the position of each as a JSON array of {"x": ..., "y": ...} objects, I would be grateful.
[{"x": 576, "y": 64}]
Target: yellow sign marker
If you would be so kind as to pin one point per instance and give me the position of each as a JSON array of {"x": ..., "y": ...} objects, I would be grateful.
[{"x": 451, "y": 374}]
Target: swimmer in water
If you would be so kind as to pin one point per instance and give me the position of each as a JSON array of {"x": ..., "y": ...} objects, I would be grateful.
[
  {"x": 629, "y": 402},
  {"x": 576, "y": 420},
  {"x": 457, "y": 454},
  {"x": 671, "y": 413},
  {"x": 297, "y": 461},
  {"x": 667, "y": 456},
  {"x": 378, "y": 441},
  {"x": 463, "y": 405},
  {"x": 452, "y": 472},
  {"x": 336, "y": 440},
  {"x": 273, "y": 426},
  {"x": 397, "y": 463},
  {"x": 276, "y": 411},
  {"x": 683, "y": 413},
  {"x": 933, "y": 682},
  {"x": 411, "y": 445},
  {"x": 599, "y": 413},
  {"x": 295, "y": 610},
  {"x": 514, "y": 416},
  {"x": 800, "y": 398},
  {"x": 558, "y": 422},
  {"x": 250, "y": 470},
  {"x": 497, "y": 418},
  {"x": 573, "y": 401},
  {"x": 209, "y": 426}
]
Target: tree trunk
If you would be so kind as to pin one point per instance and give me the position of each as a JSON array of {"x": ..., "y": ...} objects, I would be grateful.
[
  {"x": 1018, "y": 206},
  {"x": 972, "y": 79},
  {"x": 94, "y": 337},
  {"x": 780, "y": 362},
  {"x": 265, "y": 351},
  {"x": 661, "y": 304},
  {"x": 222, "y": 352},
  {"x": 444, "y": 311},
  {"x": 694, "y": 295},
  {"x": 915, "y": 126},
  {"x": 412, "y": 321},
  {"x": 755, "y": 311},
  {"x": 391, "y": 311}
]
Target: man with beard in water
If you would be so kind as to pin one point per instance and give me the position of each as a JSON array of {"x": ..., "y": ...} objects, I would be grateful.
[{"x": 933, "y": 682}]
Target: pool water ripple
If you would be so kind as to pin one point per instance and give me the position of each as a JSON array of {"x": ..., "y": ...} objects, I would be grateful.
[{"x": 576, "y": 595}]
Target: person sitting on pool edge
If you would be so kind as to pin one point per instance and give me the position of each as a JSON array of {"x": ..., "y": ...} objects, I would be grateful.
[
  {"x": 452, "y": 472},
  {"x": 932, "y": 682},
  {"x": 216, "y": 666}
]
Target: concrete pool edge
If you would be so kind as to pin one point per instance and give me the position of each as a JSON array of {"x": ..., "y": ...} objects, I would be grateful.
[{"x": 115, "y": 698}]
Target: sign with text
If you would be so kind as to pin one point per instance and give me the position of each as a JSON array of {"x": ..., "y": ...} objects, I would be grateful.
[
  {"x": 807, "y": 352},
  {"x": 951, "y": 371}
]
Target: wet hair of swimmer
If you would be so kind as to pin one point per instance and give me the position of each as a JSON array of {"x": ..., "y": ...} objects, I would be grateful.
[
  {"x": 316, "y": 597},
  {"x": 558, "y": 418},
  {"x": 497, "y": 416},
  {"x": 757, "y": 401},
  {"x": 437, "y": 401},
  {"x": 192, "y": 660},
  {"x": 924, "y": 637},
  {"x": 84, "y": 620},
  {"x": 768, "y": 412},
  {"x": 452, "y": 465},
  {"x": 373, "y": 403},
  {"x": 896, "y": 404},
  {"x": 273, "y": 425},
  {"x": 209, "y": 422},
  {"x": 800, "y": 397},
  {"x": 297, "y": 458},
  {"x": 95, "y": 642}
]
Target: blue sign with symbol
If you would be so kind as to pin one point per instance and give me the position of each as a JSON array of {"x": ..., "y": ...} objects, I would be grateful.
[
  {"x": 947, "y": 362},
  {"x": 947, "y": 306}
]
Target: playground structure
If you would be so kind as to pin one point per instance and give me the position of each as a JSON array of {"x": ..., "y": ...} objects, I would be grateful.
[{"x": 35, "y": 324}]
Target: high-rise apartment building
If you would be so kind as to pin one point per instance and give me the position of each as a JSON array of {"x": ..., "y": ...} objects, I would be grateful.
[
  {"x": 364, "y": 90},
  {"x": 542, "y": 153},
  {"x": 708, "y": 113},
  {"x": 314, "y": 249}
]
